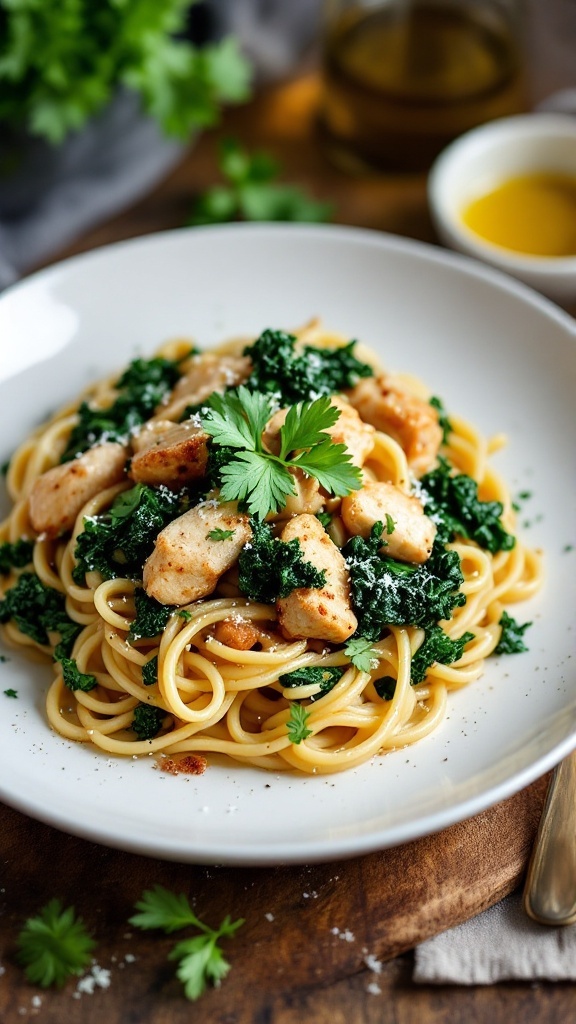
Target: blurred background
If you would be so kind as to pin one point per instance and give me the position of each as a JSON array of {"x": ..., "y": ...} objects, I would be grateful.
[{"x": 119, "y": 117}]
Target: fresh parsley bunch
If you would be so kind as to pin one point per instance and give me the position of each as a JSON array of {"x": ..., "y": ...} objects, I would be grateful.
[
  {"x": 260, "y": 480},
  {"x": 62, "y": 61}
]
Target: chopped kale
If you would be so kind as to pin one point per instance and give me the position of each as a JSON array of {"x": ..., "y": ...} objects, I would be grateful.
[
  {"x": 118, "y": 542},
  {"x": 150, "y": 672},
  {"x": 452, "y": 501},
  {"x": 436, "y": 647},
  {"x": 151, "y": 617},
  {"x": 15, "y": 554},
  {"x": 386, "y": 592},
  {"x": 511, "y": 639},
  {"x": 38, "y": 610},
  {"x": 325, "y": 518},
  {"x": 74, "y": 679},
  {"x": 325, "y": 677},
  {"x": 443, "y": 419},
  {"x": 304, "y": 375},
  {"x": 385, "y": 687},
  {"x": 270, "y": 568},
  {"x": 147, "y": 721},
  {"x": 139, "y": 390}
]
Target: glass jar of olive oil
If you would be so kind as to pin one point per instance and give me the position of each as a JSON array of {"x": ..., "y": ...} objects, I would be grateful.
[{"x": 402, "y": 78}]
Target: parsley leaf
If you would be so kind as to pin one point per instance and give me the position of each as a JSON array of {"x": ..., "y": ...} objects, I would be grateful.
[
  {"x": 200, "y": 958},
  {"x": 452, "y": 501},
  {"x": 11, "y": 692},
  {"x": 250, "y": 192},
  {"x": 511, "y": 638},
  {"x": 54, "y": 945},
  {"x": 304, "y": 374},
  {"x": 296, "y": 726},
  {"x": 270, "y": 568},
  {"x": 361, "y": 654},
  {"x": 260, "y": 480}
]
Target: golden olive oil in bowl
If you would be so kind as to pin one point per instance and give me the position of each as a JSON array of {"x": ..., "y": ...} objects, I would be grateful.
[{"x": 529, "y": 213}]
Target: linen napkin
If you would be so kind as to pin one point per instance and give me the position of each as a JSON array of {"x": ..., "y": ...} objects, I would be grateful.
[{"x": 501, "y": 944}]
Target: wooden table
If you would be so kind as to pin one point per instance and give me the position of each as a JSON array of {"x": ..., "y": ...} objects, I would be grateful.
[{"x": 289, "y": 962}]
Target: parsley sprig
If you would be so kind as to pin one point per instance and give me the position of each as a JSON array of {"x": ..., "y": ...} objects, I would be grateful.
[
  {"x": 261, "y": 480},
  {"x": 250, "y": 190},
  {"x": 53, "y": 945},
  {"x": 200, "y": 959}
]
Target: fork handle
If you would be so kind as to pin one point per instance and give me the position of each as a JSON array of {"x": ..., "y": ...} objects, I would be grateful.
[{"x": 550, "y": 887}]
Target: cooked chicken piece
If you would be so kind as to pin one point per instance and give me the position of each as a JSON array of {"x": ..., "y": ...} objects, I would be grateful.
[
  {"x": 309, "y": 498},
  {"x": 187, "y": 562},
  {"x": 168, "y": 453},
  {"x": 61, "y": 492},
  {"x": 208, "y": 372},
  {"x": 237, "y": 632},
  {"x": 325, "y": 613},
  {"x": 411, "y": 533},
  {"x": 348, "y": 430},
  {"x": 412, "y": 422}
]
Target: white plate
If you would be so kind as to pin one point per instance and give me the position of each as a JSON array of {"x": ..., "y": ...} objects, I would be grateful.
[{"x": 494, "y": 351}]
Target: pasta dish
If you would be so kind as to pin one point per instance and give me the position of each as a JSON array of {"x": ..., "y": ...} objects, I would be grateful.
[{"x": 278, "y": 551}]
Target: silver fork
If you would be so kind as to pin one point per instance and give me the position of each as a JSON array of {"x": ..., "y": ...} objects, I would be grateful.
[{"x": 550, "y": 887}]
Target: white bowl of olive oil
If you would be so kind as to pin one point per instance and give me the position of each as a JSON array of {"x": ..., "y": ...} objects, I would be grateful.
[{"x": 505, "y": 193}]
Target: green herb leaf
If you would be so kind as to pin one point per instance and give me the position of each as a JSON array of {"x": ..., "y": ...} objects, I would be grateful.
[
  {"x": 260, "y": 480},
  {"x": 147, "y": 721},
  {"x": 10, "y": 692},
  {"x": 200, "y": 958},
  {"x": 296, "y": 726},
  {"x": 362, "y": 654},
  {"x": 219, "y": 534},
  {"x": 511, "y": 638},
  {"x": 250, "y": 193},
  {"x": 54, "y": 945}
]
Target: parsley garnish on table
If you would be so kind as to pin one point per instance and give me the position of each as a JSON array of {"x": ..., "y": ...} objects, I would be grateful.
[
  {"x": 260, "y": 480},
  {"x": 53, "y": 945},
  {"x": 250, "y": 191},
  {"x": 200, "y": 958}
]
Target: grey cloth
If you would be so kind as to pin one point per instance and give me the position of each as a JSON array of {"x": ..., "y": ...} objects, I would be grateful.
[
  {"x": 121, "y": 155},
  {"x": 501, "y": 944},
  {"x": 64, "y": 191}
]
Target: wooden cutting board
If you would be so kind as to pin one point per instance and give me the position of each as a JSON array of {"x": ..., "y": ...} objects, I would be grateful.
[{"x": 304, "y": 925}]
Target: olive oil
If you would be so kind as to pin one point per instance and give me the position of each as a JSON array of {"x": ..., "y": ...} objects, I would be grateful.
[
  {"x": 403, "y": 79},
  {"x": 532, "y": 213}
]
